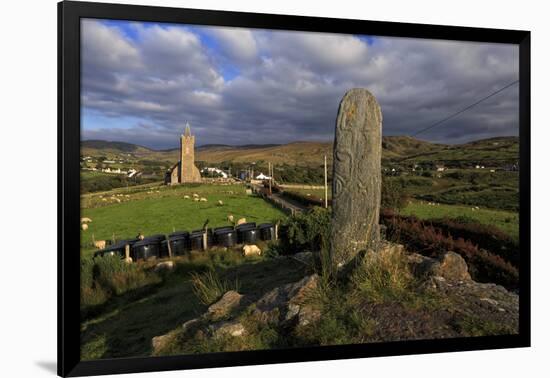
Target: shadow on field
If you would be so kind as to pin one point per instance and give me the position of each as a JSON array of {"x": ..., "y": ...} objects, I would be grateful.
[{"x": 126, "y": 325}]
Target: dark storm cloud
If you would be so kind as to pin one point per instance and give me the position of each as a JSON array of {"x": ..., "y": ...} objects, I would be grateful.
[{"x": 285, "y": 86}]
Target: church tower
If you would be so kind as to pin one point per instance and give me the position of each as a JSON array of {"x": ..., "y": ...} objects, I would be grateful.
[
  {"x": 187, "y": 170},
  {"x": 184, "y": 170}
]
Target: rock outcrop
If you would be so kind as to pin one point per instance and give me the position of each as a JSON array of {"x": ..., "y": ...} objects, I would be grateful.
[
  {"x": 289, "y": 303},
  {"x": 227, "y": 303},
  {"x": 450, "y": 266},
  {"x": 442, "y": 301}
]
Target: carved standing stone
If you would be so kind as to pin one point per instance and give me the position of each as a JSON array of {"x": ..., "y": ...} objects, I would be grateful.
[{"x": 356, "y": 182}]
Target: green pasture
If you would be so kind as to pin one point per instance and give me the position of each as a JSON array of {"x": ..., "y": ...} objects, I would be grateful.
[
  {"x": 507, "y": 221},
  {"x": 161, "y": 210},
  {"x": 313, "y": 193}
]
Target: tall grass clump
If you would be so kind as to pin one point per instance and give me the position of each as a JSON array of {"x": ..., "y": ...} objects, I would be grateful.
[
  {"x": 383, "y": 275},
  {"x": 209, "y": 287},
  {"x": 117, "y": 277},
  {"x": 105, "y": 277},
  {"x": 90, "y": 293}
]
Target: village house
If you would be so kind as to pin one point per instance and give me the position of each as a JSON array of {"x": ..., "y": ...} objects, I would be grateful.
[
  {"x": 211, "y": 170},
  {"x": 261, "y": 176}
]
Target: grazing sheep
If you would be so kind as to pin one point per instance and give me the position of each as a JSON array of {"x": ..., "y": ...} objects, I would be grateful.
[
  {"x": 241, "y": 221},
  {"x": 195, "y": 195},
  {"x": 84, "y": 226},
  {"x": 220, "y": 203},
  {"x": 196, "y": 199},
  {"x": 140, "y": 236},
  {"x": 251, "y": 250},
  {"x": 117, "y": 200},
  {"x": 203, "y": 199},
  {"x": 104, "y": 199},
  {"x": 186, "y": 196},
  {"x": 230, "y": 218},
  {"x": 85, "y": 220},
  {"x": 100, "y": 244}
]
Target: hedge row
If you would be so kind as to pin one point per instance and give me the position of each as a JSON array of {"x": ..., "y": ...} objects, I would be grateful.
[
  {"x": 485, "y": 237},
  {"x": 424, "y": 238}
]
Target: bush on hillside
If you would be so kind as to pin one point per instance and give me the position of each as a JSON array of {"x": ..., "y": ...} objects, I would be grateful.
[
  {"x": 306, "y": 231},
  {"x": 393, "y": 196},
  {"x": 422, "y": 237}
]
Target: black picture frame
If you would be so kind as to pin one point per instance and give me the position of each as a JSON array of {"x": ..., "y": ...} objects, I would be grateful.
[{"x": 69, "y": 15}]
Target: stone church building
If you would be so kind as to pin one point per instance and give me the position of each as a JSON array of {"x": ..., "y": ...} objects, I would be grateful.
[{"x": 184, "y": 170}]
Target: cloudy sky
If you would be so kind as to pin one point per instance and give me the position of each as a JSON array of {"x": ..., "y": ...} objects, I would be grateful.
[{"x": 141, "y": 82}]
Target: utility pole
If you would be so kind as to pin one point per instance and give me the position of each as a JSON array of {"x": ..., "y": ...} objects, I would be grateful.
[
  {"x": 269, "y": 173},
  {"x": 326, "y": 186}
]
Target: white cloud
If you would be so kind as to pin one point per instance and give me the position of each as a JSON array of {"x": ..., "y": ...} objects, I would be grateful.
[
  {"x": 106, "y": 48},
  {"x": 289, "y": 84},
  {"x": 236, "y": 44}
]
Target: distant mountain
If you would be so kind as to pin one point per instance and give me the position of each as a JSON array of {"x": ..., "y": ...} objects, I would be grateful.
[
  {"x": 108, "y": 145},
  {"x": 395, "y": 148}
]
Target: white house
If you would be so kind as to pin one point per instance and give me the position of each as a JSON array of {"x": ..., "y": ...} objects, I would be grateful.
[
  {"x": 216, "y": 170},
  {"x": 261, "y": 176}
]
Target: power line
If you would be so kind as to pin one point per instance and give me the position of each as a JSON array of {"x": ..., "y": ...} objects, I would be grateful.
[{"x": 464, "y": 109}]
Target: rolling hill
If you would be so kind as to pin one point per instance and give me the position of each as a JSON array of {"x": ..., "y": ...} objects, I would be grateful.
[{"x": 396, "y": 149}]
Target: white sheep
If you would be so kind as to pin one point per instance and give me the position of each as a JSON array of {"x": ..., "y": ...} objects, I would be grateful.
[
  {"x": 230, "y": 218},
  {"x": 251, "y": 250},
  {"x": 186, "y": 196},
  {"x": 241, "y": 221},
  {"x": 84, "y": 226},
  {"x": 203, "y": 199},
  {"x": 85, "y": 220},
  {"x": 100, "y": 244},
  {"x": 220, "y": 203},
  {"x": 196, "y": 199},
  {"x": 195, "y": 195}
]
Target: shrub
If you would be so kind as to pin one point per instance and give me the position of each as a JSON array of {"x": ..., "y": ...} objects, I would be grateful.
[
  {"x": 306, "y": 231},
  {"x": 485, "y": 237},
  {"x": 426, "y": 239},
  {"x": 393, "y": 196}
]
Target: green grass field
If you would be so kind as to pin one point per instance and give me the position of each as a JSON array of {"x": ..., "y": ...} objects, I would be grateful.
[
  {"x": 161, "y": 210},
  {"x": 507, "y": 221}
]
